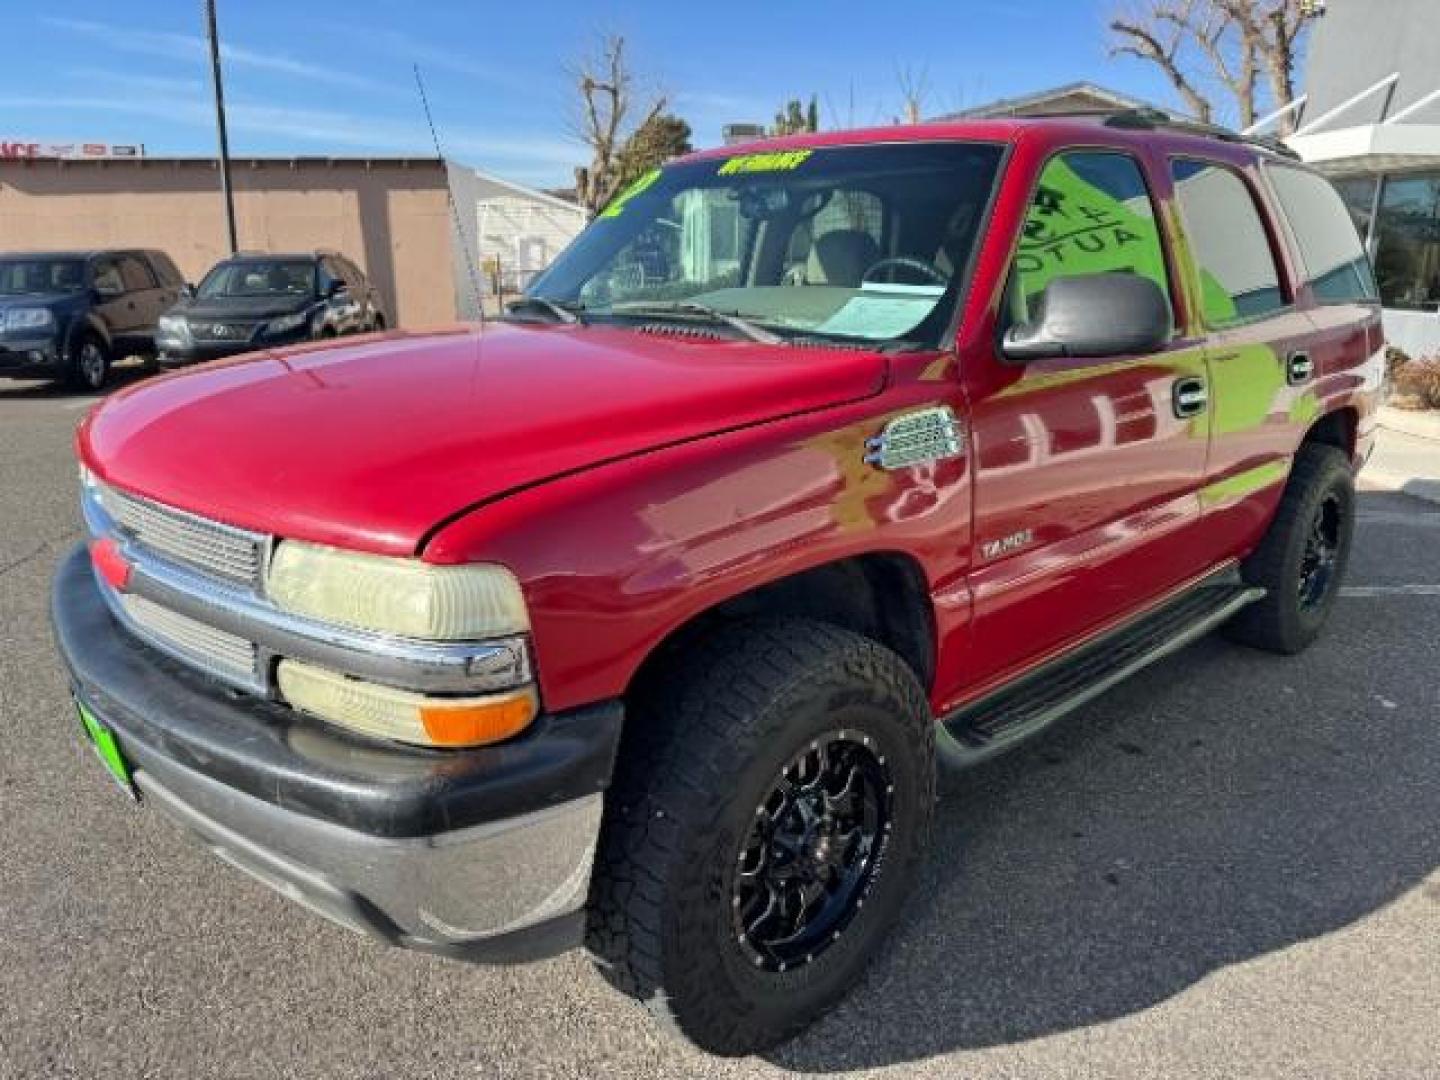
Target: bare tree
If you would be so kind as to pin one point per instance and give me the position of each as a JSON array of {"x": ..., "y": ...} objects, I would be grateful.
[
  {"x": 607, "y": 102},
  {"x": 1222, "y": 44},
  {"x": 1144, "y": 34},
  {"x": 914, "y": 92}
]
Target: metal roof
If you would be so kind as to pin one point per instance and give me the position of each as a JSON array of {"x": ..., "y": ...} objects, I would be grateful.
[{"x": 1028, "y": 102}]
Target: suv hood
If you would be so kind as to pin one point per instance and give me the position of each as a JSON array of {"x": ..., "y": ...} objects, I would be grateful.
[
  {"x": 240, "y": 307},
  {"x": 371, "y": 445}
]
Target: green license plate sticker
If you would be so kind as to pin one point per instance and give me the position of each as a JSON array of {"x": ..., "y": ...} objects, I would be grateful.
[{"x": 106, "y": 747}]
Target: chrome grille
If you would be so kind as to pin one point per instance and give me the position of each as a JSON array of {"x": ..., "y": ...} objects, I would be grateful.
[
  {"x": 228, "y": 553},
  {"x": 204, "y": 646},
  {"x": 222, "y": 330}
]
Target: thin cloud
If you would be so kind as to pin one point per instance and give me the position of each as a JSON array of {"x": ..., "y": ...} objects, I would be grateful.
[
  {"x": 411, "y": 50},
  {"x": 128, "y": 80},
  {"x": 175, "y": 46}
]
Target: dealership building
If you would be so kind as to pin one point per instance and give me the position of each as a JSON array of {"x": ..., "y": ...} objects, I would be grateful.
[
  {"x": 392, "y": 215},
  {"x": 1370, "y": 119}
]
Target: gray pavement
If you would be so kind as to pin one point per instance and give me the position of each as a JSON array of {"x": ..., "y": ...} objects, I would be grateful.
[{"x": 1228, "y": 867}]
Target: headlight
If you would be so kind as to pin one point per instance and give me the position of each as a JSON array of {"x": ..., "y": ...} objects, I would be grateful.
[
  {"x": 29, "y": 318},
  {"x": 286, "y": 323},
  {"x": 388, "y": 713},
  {"x": 174, "y": 325},
  {"x": 397, "y": 596}
]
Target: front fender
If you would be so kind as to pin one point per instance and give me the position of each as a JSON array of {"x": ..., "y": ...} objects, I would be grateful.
[
  {"x": 83, "y": 322},
  {"x": 616, "y": 558}
]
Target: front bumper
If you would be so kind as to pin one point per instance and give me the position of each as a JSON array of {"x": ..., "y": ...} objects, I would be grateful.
[
  {"x": 180, "y": 352},
  {"x": 28, "y": 357},
  {"x": 483, "y": 854}
]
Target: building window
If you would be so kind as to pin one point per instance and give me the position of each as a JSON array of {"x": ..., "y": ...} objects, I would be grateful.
[
  {"x": 1407, "y": 259},
  {"x": 1358, "y": 195}
]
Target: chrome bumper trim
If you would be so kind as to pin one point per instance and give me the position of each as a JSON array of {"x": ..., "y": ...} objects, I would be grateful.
[
  {"x": 411, "y": 664},
  {"x": 444, "y": 892}
]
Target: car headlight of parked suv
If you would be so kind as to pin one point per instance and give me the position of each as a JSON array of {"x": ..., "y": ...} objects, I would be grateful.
[
  {"x": 409, "y": 599},
  {"x": 37, "y": 318},
  {"x": 174, "y": 326},
  {"x": 285, "y": 323}
]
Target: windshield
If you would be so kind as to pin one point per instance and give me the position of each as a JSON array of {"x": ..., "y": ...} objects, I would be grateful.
[
  {"x": 255, "y": 277},
  {"x": 865, "y": 243},
  {"x": 19, "y": 277}
]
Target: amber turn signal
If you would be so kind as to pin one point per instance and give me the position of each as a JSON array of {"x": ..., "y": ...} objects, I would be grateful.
[{"x": 471, "y": 724}]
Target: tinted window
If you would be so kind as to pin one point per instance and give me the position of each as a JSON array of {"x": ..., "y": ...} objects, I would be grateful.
[
  {"x": 165, "y": 268},
  {"x": 19, "y": 277},
  {"x": 107, "y": 277},
  {"x": 1335, "y": 263},
  {"x": 1238, "y": 277},
  {"x": 1091, "y": 214},
  {"x": 1407, "y": 258},
  {"x": 1358, "y": 195},
  {"x": 259, "y": 277},
  {"x": 328, "y": 276},
  {"x": 136, "y": 274}
]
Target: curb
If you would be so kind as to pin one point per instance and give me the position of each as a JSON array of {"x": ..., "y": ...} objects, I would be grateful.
[
  {"x": 1373, "y": 479},
  {"x": 1417, "y": 423}
]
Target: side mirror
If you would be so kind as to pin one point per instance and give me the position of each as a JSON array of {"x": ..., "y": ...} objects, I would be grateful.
[
  {"x": 187, "y": 291},
  {"x": 1116, "y": 314},
  {"x": 336, "y": 288}
]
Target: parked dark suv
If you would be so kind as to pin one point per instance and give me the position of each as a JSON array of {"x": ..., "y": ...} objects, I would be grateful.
[
  {"x": 254, "y": 300},
  {"x": 68, "y": 314}
]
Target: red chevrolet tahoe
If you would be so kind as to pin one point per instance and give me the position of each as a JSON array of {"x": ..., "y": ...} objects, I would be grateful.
[{"x": 645, "y": 615}]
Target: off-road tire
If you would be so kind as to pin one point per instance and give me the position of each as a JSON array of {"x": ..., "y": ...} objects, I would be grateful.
[
  {"x": 1280, "y": 622},
  {"x": 81, "y": 372},
  {"x": 703, "y": 745}
]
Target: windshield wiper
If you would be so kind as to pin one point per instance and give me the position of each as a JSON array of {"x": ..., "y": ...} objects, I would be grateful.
[
  {"x": 565, "y": 311},
  {"x": 751, "y": 330}
]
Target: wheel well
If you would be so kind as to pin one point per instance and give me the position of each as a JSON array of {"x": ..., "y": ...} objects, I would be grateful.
[
  {"x": 882, "y": 596},
  {"x": 1335, "y": 429}
]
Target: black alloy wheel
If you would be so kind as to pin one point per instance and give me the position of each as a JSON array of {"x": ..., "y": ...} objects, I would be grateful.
[{"x": 807, "y": 864}]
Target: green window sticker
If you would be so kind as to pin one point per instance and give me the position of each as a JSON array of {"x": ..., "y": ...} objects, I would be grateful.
[
  {"x": 1089, "y": 224},
  {"x": 617, "y": 204},
  {"x": 773, "y": 161}
]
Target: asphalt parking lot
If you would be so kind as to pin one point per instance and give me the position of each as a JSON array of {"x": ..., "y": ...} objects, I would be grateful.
[{"x": 1228, "y": 867}]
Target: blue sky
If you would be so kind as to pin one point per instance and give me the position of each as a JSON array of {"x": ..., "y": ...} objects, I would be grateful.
[{"x": 336, "y": 78}]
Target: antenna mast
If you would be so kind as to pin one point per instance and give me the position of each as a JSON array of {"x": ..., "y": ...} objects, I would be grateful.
[{"x": 450, "y": 197}]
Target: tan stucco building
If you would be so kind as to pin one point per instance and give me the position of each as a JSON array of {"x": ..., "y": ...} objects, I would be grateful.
[{"x": 390, "y": 215}]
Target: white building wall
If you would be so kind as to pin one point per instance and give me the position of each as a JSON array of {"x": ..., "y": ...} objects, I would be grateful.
[{"x": 521, "y": 236}]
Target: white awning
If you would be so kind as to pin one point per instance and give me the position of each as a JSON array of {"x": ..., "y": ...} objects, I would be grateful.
[{"x": 1369, "y": 148}]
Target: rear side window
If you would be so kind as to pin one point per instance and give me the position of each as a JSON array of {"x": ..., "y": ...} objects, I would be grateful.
[
  {"x": 107, "y": 277},
  {"x": 1335, "y": 263},
  {"x": 164, "y": 268},
  {"x": 136, "y": 274},
  {"x": 1238, "y": 277},
  {"x": 1091, "y": 214}
]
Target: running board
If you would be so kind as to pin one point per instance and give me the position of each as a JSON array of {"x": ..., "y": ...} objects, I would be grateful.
[{"x": 1015, "y": 712}]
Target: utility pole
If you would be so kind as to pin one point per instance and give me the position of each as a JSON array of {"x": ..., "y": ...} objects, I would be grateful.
[{"x": 229, "y": 195}]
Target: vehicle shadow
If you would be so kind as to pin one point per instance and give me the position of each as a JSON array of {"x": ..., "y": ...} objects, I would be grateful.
[
  {"x": 123, "y": 374},
  {"x": 1223, "y": 805}
]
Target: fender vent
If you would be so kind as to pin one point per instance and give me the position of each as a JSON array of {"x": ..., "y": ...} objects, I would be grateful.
[{"x": 916, "y": 438}]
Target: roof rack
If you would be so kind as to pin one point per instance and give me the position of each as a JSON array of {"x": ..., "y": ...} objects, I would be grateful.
[{"x": 1151, "y": 119}]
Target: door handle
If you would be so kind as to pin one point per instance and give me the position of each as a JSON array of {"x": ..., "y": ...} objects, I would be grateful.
[
  {"x": 1298, "y": 368},
  {"x": 1189, "y": 397}
]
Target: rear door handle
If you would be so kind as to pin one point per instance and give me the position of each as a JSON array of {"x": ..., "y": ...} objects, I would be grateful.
[
  {"x": 1298, "y": 368},
  {"x": 1189, "y": 397}
]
